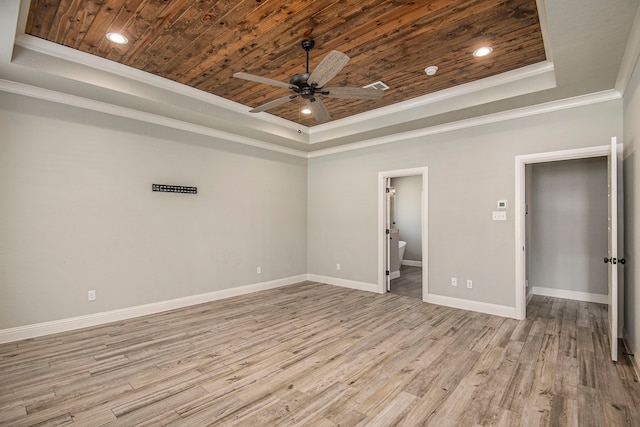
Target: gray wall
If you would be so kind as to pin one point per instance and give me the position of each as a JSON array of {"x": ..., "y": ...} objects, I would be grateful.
[
  {"x": 78, "y": 213},
  {"x": 567, "y": 220},
  {"x": 632, "y": 210},
  {"x": 408, "y": 209},
  {"x": 469, "y": 171}
]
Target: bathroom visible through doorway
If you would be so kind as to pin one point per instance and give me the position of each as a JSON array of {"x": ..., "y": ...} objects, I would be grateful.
[{"x": 402, "y": 214}]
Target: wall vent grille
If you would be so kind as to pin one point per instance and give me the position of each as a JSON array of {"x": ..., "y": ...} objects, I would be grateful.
[{"x": 378, "y": 85}]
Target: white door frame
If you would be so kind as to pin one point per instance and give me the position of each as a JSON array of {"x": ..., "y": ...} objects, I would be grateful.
[
  {"x": 382, "y": 177},
  {"x": 520, "y": 208}
]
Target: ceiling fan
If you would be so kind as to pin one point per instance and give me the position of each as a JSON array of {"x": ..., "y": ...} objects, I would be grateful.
[{"x": 309, "y": 85}]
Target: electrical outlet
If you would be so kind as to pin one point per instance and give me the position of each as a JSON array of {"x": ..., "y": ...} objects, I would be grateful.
[
  {"x": 91, "y": 295},
  {"x": 259, "y": 270},
  {"x": 469, "y": 284},
  {"x": 338, "y": 267},
  {"x": 454, "y": 281}
]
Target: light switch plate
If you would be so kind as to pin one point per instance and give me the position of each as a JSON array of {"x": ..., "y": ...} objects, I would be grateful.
[{"x": 499, "y": 216}]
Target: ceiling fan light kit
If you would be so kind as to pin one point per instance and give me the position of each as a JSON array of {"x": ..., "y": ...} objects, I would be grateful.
[{"x": 309, "y": 85}]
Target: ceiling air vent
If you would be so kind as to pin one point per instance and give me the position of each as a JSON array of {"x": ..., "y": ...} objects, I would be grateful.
[{"x": 378, "y": 85}]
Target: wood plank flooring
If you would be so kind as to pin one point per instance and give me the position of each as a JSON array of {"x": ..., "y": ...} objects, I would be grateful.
[
  {"x": 409, "y": 283},
  {"x": 319, "y": 355}
]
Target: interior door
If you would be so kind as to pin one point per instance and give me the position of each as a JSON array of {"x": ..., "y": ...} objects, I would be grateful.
[
  {"x": 388, "y": 234},
  {"x": 612, "y": 249}
]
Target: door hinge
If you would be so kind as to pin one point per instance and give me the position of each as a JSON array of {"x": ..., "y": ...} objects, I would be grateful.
[
  {"x": 388, "y": 273},
  {"x": 388, "y": 231},
  {"x": 388, "y": 189}
]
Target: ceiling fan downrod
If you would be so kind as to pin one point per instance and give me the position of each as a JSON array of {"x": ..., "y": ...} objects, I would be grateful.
[{"x": 307, "y": 45}]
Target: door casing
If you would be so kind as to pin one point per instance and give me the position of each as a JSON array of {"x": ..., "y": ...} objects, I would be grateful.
[
  {"x": 520, "y": 208},
  {"x": 382, "y": 212}
]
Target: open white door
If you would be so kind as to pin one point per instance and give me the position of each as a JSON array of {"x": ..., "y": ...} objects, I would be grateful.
[
  {"x": 388, "y": 235},
  {"x": 612, "y": 249}
]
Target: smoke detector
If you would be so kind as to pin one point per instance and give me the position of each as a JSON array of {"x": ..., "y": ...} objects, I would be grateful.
[{"x": 431, "y": 70}]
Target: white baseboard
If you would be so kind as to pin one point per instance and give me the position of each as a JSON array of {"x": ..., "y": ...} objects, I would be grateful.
[
  {"x": 412, "y": 263},
  {"x": 574, "y": 295},
  {"x": 465, "y": 304},
  {"x": 394, "y": 274},
  {"x": 529, "y": 296},
  {"x": 64, "y": 325},
  {"x": 345, "y": 283}
]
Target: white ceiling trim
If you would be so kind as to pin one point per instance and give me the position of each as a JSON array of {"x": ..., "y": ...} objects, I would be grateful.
[
  {"x": 544, "y": 28},
  {"x": 103, "y": 107},
  {"x": 45, "y": 47},
  {"x": 116, "y": 110},
  {"x": 548, "y": 107},
  {"x": 446, "y": 94},
  {"x": 517, "y": 82}
]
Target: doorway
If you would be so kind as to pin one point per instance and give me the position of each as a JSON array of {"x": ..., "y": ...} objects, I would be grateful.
[
  {"x": 566, "y": 229},
  {"x": 389, "y": 234},
  {"x": 613, "y": 153}
]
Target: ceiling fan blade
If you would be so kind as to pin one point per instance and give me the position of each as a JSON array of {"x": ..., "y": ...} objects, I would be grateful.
[
  {"x": 319, "y": 110},
  {"x": 327, "y": 69},
  {"x": 353, "y": 92},
  {"x": 260, "y": 79},
  {"x": 272, "y": 104}
]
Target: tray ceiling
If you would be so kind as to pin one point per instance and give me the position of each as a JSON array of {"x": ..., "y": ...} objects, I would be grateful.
[{"x": 203, "y": 43}]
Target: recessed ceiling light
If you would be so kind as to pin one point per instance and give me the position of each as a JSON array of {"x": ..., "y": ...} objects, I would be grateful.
[
  {"x": 482, "y": 51},
  {"x": 305, "y": 111},
  {"x": 117, "y": 38},
  {"x": 431, "y": 70}
]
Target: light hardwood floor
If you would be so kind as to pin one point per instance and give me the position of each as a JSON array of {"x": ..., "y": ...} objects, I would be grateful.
[
  {"x": 409, "y": 283},
  {"x": 314, "y": 354}
]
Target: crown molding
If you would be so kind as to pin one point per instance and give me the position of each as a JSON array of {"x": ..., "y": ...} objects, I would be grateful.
[
  {"x": 103, "y": 107},
  {"x": 129, "y": 113},
  {"x": 542, "y": 69},
  {"x": 48, "y": 48},
  {"x": 518, "y": 113}
]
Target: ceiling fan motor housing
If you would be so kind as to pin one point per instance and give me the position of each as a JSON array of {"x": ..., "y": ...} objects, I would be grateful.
[
  {"x": 302, "y": 87},
  {"x": 300, "y": 80}
]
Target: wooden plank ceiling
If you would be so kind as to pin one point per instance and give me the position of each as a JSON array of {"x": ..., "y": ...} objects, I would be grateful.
[{"x": 202, "y": 43}]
